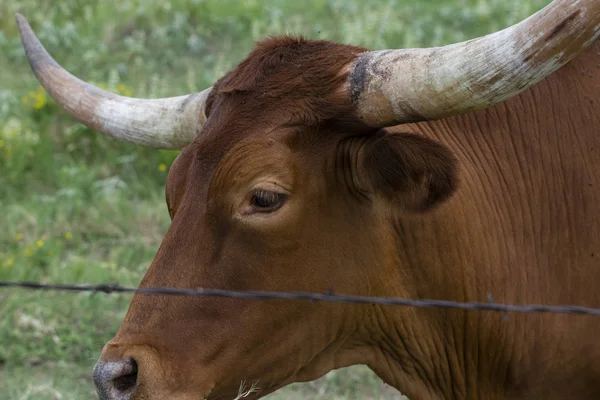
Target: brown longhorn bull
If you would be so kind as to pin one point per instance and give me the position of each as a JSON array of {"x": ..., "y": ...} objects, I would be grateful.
[{"x": 288, "y": 179}]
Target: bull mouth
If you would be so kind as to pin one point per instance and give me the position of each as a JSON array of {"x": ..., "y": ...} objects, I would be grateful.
[{"x": 246, "y": 391}]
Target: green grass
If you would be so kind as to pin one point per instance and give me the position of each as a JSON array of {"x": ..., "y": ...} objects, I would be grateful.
[{"x": 80, "y": 207}]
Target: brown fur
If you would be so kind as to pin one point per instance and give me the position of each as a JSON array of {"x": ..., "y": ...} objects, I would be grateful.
[{"x": 522, "y": 226}]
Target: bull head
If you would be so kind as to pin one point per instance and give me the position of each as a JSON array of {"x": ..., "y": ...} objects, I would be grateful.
[{"x": 287, "y": 180}]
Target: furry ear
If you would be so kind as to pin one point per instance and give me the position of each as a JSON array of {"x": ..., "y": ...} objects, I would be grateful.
[{"x": 410, "y": 171}]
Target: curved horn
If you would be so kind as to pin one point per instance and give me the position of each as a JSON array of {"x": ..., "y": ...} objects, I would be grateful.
[
  {"x": 169, "y": 123},
  {"x": 390, "y": 87}
]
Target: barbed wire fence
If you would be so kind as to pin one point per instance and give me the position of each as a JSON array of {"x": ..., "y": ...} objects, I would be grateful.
[{"x": 309, "y": 296}]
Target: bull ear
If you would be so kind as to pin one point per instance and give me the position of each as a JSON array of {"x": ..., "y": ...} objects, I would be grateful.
[{"x": 410, "y": 171}]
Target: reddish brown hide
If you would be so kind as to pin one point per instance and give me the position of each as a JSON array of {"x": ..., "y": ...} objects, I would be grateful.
[{"x": 377, "y": 213}]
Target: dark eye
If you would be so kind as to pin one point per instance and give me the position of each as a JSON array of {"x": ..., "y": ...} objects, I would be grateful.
[{"x": 266, "y": 200}]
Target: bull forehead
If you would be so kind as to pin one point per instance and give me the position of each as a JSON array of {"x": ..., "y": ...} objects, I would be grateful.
[
  {"x": 287, "y": 80},
  {"x": 287, "y": 91},
  {"x": 229, "y": 158},
  {"x": 255, "y": 159}
]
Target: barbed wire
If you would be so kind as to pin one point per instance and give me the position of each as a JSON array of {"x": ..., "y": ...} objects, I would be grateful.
[{"x": 309, "y": 296}]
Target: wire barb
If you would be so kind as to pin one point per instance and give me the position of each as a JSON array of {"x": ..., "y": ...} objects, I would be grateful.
[{"x": 112, "y": 288}]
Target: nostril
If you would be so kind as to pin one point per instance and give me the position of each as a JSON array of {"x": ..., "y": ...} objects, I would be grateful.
[
  {"x": 126, "y": 382},
  {"x": 115, "y": 380}
]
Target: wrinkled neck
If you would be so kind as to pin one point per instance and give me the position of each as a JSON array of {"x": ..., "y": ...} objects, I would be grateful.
[
  {"x": 434, "y": 353},
  {"x": 418, "y": 351}
]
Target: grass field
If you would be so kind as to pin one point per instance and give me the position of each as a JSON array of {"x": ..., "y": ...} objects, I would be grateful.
[{"x": 80, "y": 207}]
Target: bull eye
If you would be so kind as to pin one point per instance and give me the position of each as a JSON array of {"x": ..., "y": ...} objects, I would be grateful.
[{"x": 266, "y": 200}]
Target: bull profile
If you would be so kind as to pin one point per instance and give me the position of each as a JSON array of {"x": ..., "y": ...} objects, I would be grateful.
[{"x": 448, "y": 173}]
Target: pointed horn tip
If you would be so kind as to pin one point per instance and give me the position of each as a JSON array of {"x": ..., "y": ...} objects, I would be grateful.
[
  {"x": 22, "y": 22},
  {"x": 25, "y": 31}
]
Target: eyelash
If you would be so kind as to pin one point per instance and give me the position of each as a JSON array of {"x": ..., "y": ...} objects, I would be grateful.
[{"x": 266, "y": 200}]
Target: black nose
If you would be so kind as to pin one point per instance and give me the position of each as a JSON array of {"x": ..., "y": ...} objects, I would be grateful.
[{"x": 115, "y": 380}]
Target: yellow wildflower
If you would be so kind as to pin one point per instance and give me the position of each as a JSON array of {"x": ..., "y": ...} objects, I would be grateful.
[
  {"x": 39, "y": 243},
  {"x": 19, "y": 236},
  {"x": 9, "y": 263},
  {"x": 28, "y": 252},
  {"x": 68, "y": 235},
  {"x": 40, "y": 99},
  {"x": 36, "y": 99},
  {"x": 124, "y": 90},
  {"x": 162, "y": 167}
]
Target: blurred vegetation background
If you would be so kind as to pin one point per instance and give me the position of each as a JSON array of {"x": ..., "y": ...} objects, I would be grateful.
[{"x": 79, "y": 207}]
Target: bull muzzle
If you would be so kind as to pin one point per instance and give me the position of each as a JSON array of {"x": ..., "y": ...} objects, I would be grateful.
[{"x": 115, "y": 380}]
